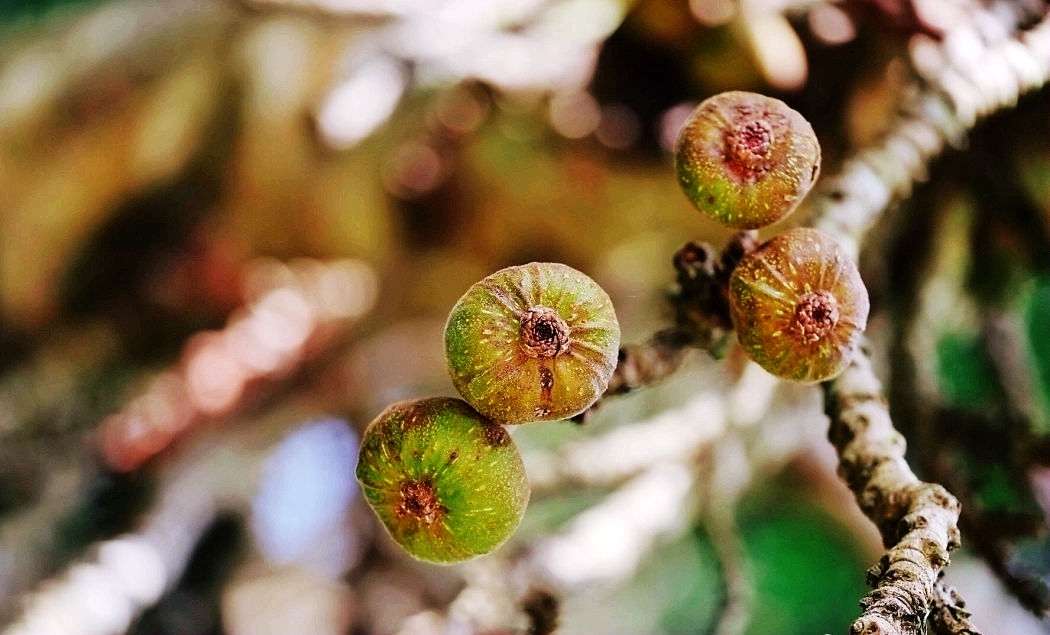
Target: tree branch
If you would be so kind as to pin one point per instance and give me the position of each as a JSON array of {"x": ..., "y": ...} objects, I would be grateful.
[
  {"x": 967, "y": 76},
  {"x": 702, "y": 319},
  {"x": 917, "y": 520}
]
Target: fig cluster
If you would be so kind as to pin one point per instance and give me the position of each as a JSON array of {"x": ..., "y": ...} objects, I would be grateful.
[
  {"x": 797, "y": 302},
  {"x": 528, "y": 343},
  {"x": 540, "y": 341}
]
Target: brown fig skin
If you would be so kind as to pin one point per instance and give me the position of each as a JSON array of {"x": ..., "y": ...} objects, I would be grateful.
[
  {"x": 799, "y": 306},
  {"x": 746, "y": 160},
  {"x": 532, "y": 342},
  {"x": 447, "y": 484}
]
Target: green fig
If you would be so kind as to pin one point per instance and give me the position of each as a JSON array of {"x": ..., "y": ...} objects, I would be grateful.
[
  {"x": 746, "y": 160},
  {"x": 446, "y": 483},
  {"x": 532, "y": 342},
  {"x": 799, "y": 306}
]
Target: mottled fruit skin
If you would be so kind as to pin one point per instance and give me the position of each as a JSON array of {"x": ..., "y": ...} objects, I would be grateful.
[
  {"x": 532, "y": 342},
  {"x": 746, "y": 160},
  {"x": 447, "y": 483},
  {"x": 799, "y": 306}
]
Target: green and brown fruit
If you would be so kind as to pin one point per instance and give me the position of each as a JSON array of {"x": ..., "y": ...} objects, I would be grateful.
[
  {"x": 446, "y": 483},
  {"x": 746, "y": 160},
  {"x": 799, "y": 306},
  {"x": 532, "y": 342}
]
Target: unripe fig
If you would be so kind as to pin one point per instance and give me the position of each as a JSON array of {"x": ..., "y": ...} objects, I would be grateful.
[
  {"x": 447, "y": 483},
  {"x": 745, "y": 159},
  {"x": 799, "y": 306},
  {"x": 532, "y": 342}
]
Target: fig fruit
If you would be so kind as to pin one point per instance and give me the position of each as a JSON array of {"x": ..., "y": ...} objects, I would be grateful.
[
  {"x": 532, "y": 342},
  {"x": 746, "y": 160},
  {"x": 798, "y": 305},
  {"x": 446, "y": 483}
]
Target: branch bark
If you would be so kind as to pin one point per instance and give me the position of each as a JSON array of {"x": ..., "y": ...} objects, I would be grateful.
[
  {"x": 975, "y": 71},
  {"x": 918, "y": 521}
]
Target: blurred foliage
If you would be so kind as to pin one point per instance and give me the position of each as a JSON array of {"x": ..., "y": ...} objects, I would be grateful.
[
  {"x": 967, "y": 376},
  {"x": 1037, "y": 322},
  {"x": 23, "y": 12},
  {"x": 803, "y": 562}
]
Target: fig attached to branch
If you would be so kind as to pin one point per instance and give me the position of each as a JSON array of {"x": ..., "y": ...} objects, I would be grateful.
[
  {"x": 446, "y": 483},
  {"x": 746, "y": 160},
  {"x": 799, "y": 306},
  {"x": 532, "y": 342}
]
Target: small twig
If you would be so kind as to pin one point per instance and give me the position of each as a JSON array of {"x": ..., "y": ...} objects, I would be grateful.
[
  {"x": 948, "y": 615},
  {"x": 917, "y": 520},
  {"x": 720, "y": 520},
  {"x": 542, "y": 608},
  {"x": 701, "y": 300},
  {"x": 645, "y": 364},
  {"x": 702, "y": 320}
]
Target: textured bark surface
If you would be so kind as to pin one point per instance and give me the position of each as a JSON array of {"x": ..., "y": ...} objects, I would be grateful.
[{"x": 917, "y": 520}]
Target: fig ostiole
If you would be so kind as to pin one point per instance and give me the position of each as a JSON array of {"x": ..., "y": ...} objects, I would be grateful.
[
  {"x": 447, "y": 483},
  {"x": 532, "y": 342}
]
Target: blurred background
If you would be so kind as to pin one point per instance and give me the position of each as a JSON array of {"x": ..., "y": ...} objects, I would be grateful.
[{"x": 230, "y": 232}]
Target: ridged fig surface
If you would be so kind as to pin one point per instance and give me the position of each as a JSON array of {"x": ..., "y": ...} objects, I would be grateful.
[
  {"x": 532, "y": 342},
  {"x": 446, "y": 483},
  {"x": 746, "y": 160},
  {"x": 799, "y": 306}
]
